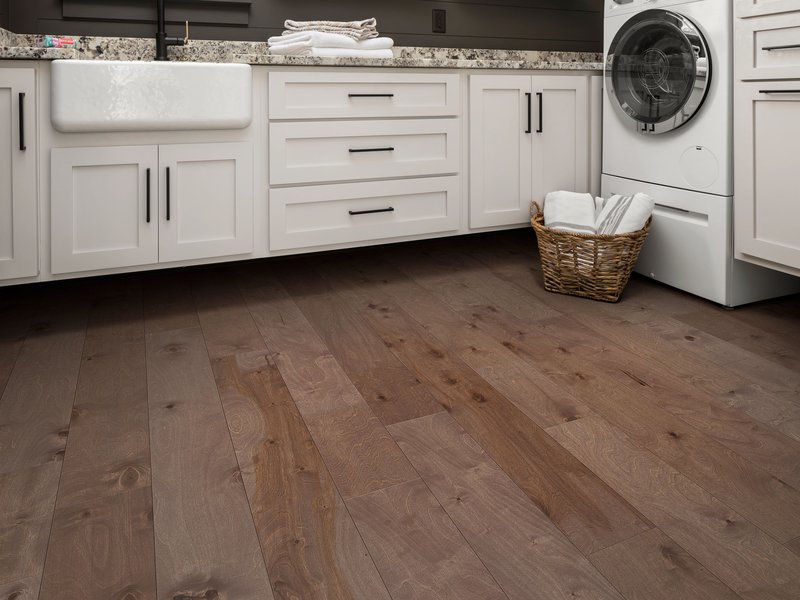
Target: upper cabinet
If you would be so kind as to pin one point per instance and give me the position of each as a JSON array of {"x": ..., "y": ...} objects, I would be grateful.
[
  {"x": 767, "y": 134},
  {"x": 18, "y": 198},
  {"x": 752, "y": 8},
  {"x": 529, "y": 135}
]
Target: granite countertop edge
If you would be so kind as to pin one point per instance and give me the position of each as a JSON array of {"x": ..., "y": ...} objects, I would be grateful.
[{"x": 24, "y": 47}]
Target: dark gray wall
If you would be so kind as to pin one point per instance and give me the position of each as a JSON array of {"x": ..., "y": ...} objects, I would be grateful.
[
  {"x": 4, "y": 14},
  {"x": 519, "y": 24}
]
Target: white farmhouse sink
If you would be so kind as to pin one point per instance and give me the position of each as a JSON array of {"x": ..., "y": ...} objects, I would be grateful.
[{"x": 106, "y": 95}]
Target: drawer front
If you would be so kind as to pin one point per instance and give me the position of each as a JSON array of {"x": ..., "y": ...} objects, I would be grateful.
[
  {"x": 768, "y": 47},
  {"x": 330, "y": 151},
  {"x": 355, "y": 212},
  {"x": 302, "y": 95},
  {"x": 754, "y": 8}
]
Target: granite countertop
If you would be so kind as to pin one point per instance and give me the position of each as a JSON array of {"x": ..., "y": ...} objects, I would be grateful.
[{"x": 23, "y": 46}]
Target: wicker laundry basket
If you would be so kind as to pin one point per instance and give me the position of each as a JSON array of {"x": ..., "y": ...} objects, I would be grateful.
[{"x": 587, "y": 265}]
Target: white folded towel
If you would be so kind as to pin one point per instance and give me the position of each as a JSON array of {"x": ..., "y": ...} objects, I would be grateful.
[
  {"x": 570, "y": 211},
  {"x": 358, "y": 30},
  {"x": 293, "y": 50},
  {"x": 624, "y": 214},
  {"x": 295, "y": 42}
]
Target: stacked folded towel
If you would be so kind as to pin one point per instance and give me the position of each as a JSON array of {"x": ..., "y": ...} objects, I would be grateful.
[
  {"x": 568, "y": 211},
  {"x": 581, "y": 213},
  {"x": 331, "y": 38}
]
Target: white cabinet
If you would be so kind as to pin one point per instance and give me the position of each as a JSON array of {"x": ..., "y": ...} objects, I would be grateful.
[
  {"x": 767, "y": 202},
  {"x": 751, "y": 8},
  {"x": 528, "y": 135},
  {"x": 383, "y": 151},
  {"x": 18, "y": 199},
  {"x": 767, "y": 134},
  {"x": 134, "y": 205}
]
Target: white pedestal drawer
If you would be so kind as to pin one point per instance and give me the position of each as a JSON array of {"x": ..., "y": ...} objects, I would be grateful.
[
  {"x": 302, "y": 217},
  {"x": 315, "y": 152}
]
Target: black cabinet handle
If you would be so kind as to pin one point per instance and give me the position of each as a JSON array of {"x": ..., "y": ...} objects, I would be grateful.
[
  {"x": 22, "y": 146},
  {"x": 528, "y": 96},
  {"x": 147, "y": 212},
  {"x": 787, "y": 47},
  {"x": 167, "y": 193},
  {"x": 386, "y": 149},
  {"x": 540, "y": 95},
  {"x": 779, "y": 91},
  {"x": 369, "y": 212},
  {"x": 370, "y": 95}
]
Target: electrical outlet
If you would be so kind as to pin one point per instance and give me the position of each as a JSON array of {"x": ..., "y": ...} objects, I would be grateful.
[{"x": 439, "y": 20}]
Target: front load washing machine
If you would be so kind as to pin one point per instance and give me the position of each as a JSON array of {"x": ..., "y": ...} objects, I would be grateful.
[{"x": 668, "y": 131}]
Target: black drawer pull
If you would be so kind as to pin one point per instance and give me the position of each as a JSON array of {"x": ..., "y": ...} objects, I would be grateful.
[
  {"x": 22, "y": 146},
  {"x": 541, "y": 112},
  {"x": 779, "y": 91},
  {"x": 386, "y": 149},
  {"x": 786, "y": 47},
  {"x": 148, "y": 196},
  {"x": 370, "y": 95},
  {"x": 369, "y": 212},
  {"x": 528, "y": 97},
  {"x": 168, "y": 199}
]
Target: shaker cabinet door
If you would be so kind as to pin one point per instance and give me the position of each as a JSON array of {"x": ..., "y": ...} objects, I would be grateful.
[
  {"x": 104, "y": 207},
  {"x": 18, "y": 200}
]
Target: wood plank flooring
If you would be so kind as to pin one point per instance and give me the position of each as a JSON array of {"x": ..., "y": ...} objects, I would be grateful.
[{"x": 417, "y": 421}]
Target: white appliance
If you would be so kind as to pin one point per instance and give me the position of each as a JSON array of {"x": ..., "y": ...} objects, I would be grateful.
[{"x": 667, "y": 131}]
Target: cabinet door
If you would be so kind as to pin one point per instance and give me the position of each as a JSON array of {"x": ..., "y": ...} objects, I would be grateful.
[
  {"x": 500, "y": 149},
  {"x": 18, "y": 239},
  {"x": 103, "y": 212},
  {"x": 561, "y": 142},
  {"x": 206, "y": 201},
  {"x": 767, "y": 180}
]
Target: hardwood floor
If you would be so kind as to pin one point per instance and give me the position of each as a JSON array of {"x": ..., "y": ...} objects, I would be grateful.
[{"x": 402, "y": 422}]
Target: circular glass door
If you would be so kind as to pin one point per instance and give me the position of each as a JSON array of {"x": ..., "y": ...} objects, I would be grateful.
[{"x": 658, "y": 70}]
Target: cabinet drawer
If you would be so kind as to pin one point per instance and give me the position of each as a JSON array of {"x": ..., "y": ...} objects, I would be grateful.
[
  {"x": 753, "y": 8},
  {"x": 351, "y": 150},
  {"x": 354, "y": 212},
  {"x": 768, "y": 47},
  {"x": 303, "y": 95}
]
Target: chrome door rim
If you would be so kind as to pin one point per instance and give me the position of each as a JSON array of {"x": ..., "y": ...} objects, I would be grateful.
[{"x": 693, "y": 39}]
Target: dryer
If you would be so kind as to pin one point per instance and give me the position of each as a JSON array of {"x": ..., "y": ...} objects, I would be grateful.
[{"x": 668, "y": 131}]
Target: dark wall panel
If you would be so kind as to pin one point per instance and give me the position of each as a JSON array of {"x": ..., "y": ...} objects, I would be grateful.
[
  {"x": 4, "y": 14},
  {"x": 520, "y": 24}
]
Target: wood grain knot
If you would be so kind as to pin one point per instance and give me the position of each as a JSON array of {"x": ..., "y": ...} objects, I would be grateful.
[
  {"x": 479, "y": 398},
  {"x": 436, "y": 353},
  {"x": 510, "y": 346},
  {"x": 673, "y": 435},
  {"x": 207, "y": 595},
  {"x": 689, "y": 338}
]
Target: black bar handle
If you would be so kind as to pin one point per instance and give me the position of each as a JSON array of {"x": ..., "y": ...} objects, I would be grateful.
[
  {"x": 540, "y": 95},
  {"x": 530, "y": 125},
  {"x": 369, "y": 212},
  {"x": 386, "y": 149},
  {"x": 786, "y": 47},
  {"x": 779, "y": 91},
  {"x": 370, "y": 95},
  {"x": 22, "y": 146},
  {"x": 167, "y": 193},
  {"x": 147, "y": 212}
]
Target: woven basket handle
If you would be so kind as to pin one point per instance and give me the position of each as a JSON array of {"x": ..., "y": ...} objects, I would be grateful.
[{"x": 535, "y": 208}]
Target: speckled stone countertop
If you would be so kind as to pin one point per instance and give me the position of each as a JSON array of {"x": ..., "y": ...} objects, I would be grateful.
[{"x": 22, "y": 46}]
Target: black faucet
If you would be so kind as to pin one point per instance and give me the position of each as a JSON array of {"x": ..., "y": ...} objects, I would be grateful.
[{"x": 162, "y": 41}]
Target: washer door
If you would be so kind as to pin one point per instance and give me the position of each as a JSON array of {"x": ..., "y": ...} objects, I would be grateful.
[{"x": 658, "y": 71}]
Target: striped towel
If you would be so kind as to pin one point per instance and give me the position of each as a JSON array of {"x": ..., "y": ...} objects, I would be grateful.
[
  {"x": 624, "y": 214},
  {"x": 358, "y": 30}
]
